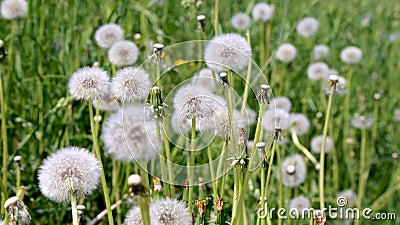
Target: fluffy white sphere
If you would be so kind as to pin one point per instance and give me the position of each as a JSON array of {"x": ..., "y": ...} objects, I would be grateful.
[
  {"x": 307, "y": 27},
  {"x": 262, "y": 12},
  {"x": 88, "y": 82},
  {"x": 108, "y": 34},
  {"x": 286, "y": 53},
  {"x": 123, "y": 53},
  {"x": 351, "y": 55},
  {"x": 241, "y": 21},
  {"x": 13, "y": 9},
  {"x": 131, "y": 84},
  {"x": 318, "y": 71}
]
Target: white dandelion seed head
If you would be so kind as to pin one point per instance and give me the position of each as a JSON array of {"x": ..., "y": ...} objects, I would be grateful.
[
  {"x": 298, "y": 204},
  {"x": 123, "y": 53},
  {"x": 320, "y": 52},
  {"x": 169, "y": 211},
  {"x": 396, "y": 115},
  {"x": 286, "y": 53},
  {"x": 107, "y": 102},
  {"x": 131, "y": 84},
  {"x": 218, "y": 105},
  {"x": 133, "y": 138},
  {"x": 366, "y": 20},
  {"x": 106, "y": 35},
  {"x": 180, "y": 124},
  {"x": 227, "y": 52},
  {"x": 13, "y": 9},
  {"x": 394, "y": 37},
  {"x": 241, "y": 21},
  {"x": 351, "y": 55},
  {"x": 133, "y": 217},
  {"x": 294, "y": 171},
  {"x": 300, "y": 122},
  {"x": 2, "y": 222},
  {"x": 318, "y": 71},
  {"x": 362, "y": 122},
  {"x": 88, "y": 82},
  {"x": 333, "y": 71},
  {"x": 281, "y": 102},
  {"x": 350, "y": 195},
  {"x": 206, "y": 79},
  {"x": 250, "y": 116},
  {"x": 316, "y": 144},
  {"x": 307, "y": 27},
  {"x": 275, "y": 118},
  {"x": 68, "y": 171},
  {"x": 193, "y": 101},
  {"x": 262, "y": 12}
]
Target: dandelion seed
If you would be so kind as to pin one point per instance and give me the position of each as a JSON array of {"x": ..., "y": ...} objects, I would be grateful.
[
  {"x": 241, "y": 21},
  {"x": 68, "y": 171},
  {"x": 88, "y": 82},
  {"x": 362, "y": 122},
  {"x": 286, "y": 53},
  {"x": 318, "y": 71},
  {"x": 316, "y": 144},
  {"x": 293, "y": 171},
  {"x": 206, "y": 79},
  {"x": 13, "y": 9},
  {"x": 123, "y": 53},
  {"x": 262, "y": 12},
  {"x": 134, "y": 217},
  {"x": 108, "y": 34},
  {"x": 133, "y": 138},
  {"x": 131, "y": 84},
  {"x": 227, "y": 52},
  {"x": 298, "y": 205},
  {"x": 351, "y": 55},
  {"x": 300, "y": 122},
  {"x": 275, "y": 118},
  {"x": 307, "y": 27},
  {"x": 168, "y": 211},
  {"x": 193, "y": 101},
  {"x": 281, "y": 102},
  {"x": 320, "y": 52}
]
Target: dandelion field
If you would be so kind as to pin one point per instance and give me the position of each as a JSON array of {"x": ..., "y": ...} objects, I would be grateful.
[{"x": 218, "y": 124}]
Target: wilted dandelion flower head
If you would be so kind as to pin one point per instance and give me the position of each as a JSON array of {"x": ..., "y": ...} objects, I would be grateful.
[
  {"x": 307, "y": 27},
  {"x": 298, "y": 204},
  {"x": 133, "y": 217},
  {"x": 131, "y": 84},
  {"x": 262, "y": 12},
  {"x": 275, "y": 118},
  {"x": 281, "y": 102},
  {"x": 193, "y": 101},
  {"x": 123, "y": 53},
  {"x": 320, "y": 52},
  {"x": 129, "y": 135},
  {"x": 241, "y": 21},
  {"x": 362, "y": 122},
  {"x": 316, "y": 144},
  {"x": 206, "y": 79},
  {"x": 300, "y": 122},
  {"x": 286, "y": 53},
  {"x": 13, "y": 9},
  {"x": 108, "y": 34},
  {"x": 107, "y": 102},
  {"x": 169, "y": 211},
  {"x": 318, "y": 71},
  {"x": 294, "y": 171},
  {"x": 350, "y": 196},
  {"x": 351, "y": 55},
  {"x": 69, "y": 171},
  {"x": 88, "y": 82},
  {"x": 227, "y": 52}
]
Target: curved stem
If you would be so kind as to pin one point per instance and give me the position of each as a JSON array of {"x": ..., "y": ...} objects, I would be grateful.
[{"x": 301, "y": 147}]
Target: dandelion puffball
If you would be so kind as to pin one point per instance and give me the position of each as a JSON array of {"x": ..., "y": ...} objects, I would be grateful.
[
  {"x": 88, "y": 82},
  {"x": 107, "y": 102},
  {"x": 281, "y": 102},
  {"x": 241, "y": 21},
  {"x": 294, "y": 171},
  {"x": 68, "y": 171},
  {"x": 206, "y": 78},
  {"x": 362, "y": 122},
  {"x": 262, "y": 12},
  {"x": 318, "y": 71},
  {"x": 193, "y": 101},
  {"x": 169, "y": 211},
  {"x": 13, "y": 9},
  {"x": 298, "y": 204},
  {"x": 131, "y": 84},
  {"x": 316, "y": 144},
  {"x": 307, "y": 27},
  {"x": 286, "y": 53},
  {"x": 108, "y": 34},
  {"x": 300, "y": 122},
  {"x": 278, "y": 118},
  {"x": 134, "y": 217},
  {"x": 320, "y": 52},
  {"x": 351, "y": 55},
  {"x": 227, "y": 52},
  {"x": 123, "y": 53}
]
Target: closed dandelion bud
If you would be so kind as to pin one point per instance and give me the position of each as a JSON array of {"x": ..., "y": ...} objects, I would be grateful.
[
  {"x": 169, "y": 211},
  {"x": 261, "y": 148},
  {"x": 201, "y": 207},
  {"x": 156, "y": 103},
  {"x": 219, "y": 205},
  {"x": 17, "y": 211},
  {"x": 263, "y": 94},
  {"x": 319, "y": 217},
  {"x": 202, "y": 24}
]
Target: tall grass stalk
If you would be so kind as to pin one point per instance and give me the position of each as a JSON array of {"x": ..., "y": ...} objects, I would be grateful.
[{"x": 4, "y": 194}]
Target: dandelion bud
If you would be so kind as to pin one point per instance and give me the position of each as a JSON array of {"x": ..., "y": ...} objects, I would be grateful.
[
  {"x": 157, "y": 48},
  {"x": 319, "y": 218},
  {"x": 157, "y": 184},
  {"x": 134, "y": 180},
  {"x": 156, "y": 102},
  {"x": 17, "y": 159},
  {"x": 263, "y": 96},
  {"x": 219, "y": 205},
  {"x": 201, "y": 19},
  {"x": 17, "y": 211},
  {"x": 201, "y": 206}
]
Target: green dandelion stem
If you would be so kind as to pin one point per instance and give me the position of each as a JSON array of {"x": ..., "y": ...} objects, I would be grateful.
[
  {"x": 190, "y": 164},
  {"x": 4, "y": 138},
  {"x": 212, "y": 172},
  {"x": 248, "y": 79},
  {"x": 301, "y": 147},
  {"x": 74, "y": 210}
]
